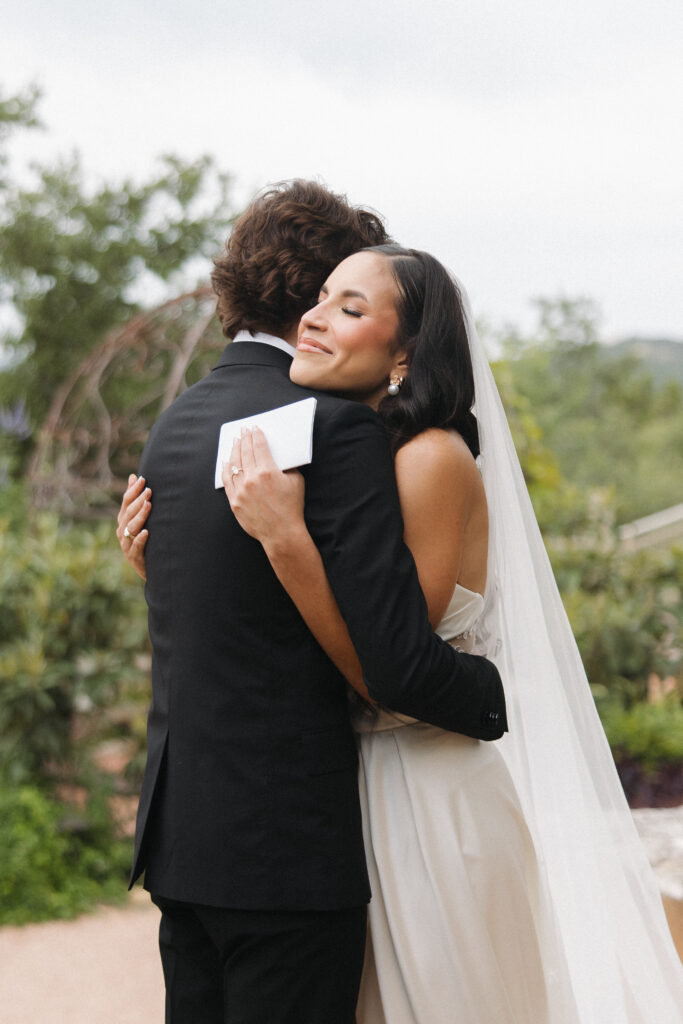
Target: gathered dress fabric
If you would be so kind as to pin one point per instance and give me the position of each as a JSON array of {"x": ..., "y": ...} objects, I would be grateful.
[{"x": 458, "y": 927}]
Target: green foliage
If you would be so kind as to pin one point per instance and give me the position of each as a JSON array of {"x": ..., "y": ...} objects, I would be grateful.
[
  {"x": 18, "y": 110},
  {"x": 652, "y": 734},
  {"x": 663, "y": 356},
  {"x": 15, "y": 432},
  {"x": 602, "y": 416},
  {"x": 561, "y": 508},
  {"x": 53, "y": 864},
  {"x": 71, "y": 622},
  {"x": 72, "y": 649},
  {"x": 625, "y": 608},
  {"x": 13, "y": 502},
  {"x": 70, "y": 255}
]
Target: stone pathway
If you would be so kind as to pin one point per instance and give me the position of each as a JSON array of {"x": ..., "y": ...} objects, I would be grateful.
[
  {"x": 661, "y": 830},
  {"x": 102, "y": 968}
]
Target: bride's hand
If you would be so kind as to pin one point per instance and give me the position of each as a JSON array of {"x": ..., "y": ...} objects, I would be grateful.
[
  {"x": 268, "y": 504},
  {"x": 133, "y": 514}
]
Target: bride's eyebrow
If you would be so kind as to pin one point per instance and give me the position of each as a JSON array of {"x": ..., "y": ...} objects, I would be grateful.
[{"x": 349, "y": 293}]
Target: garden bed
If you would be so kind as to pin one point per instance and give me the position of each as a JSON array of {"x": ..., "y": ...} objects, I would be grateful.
[{"x": 660, "y": 787}]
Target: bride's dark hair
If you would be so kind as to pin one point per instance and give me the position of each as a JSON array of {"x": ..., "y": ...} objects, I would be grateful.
[{"x": 439, "y": 388}]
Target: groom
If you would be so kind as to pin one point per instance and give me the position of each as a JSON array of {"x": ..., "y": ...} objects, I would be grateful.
[{"x": 249, "y": 826}]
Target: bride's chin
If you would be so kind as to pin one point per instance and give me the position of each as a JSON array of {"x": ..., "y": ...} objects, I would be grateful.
[
  {"x": 304, "y": 374},
  {"x": 300, "y": 375}
]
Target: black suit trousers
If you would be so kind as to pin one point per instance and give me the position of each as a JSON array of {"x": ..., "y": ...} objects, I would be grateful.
[{"x": 225, "y": 966}]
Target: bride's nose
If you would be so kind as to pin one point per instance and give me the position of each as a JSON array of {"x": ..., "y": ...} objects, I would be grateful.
[{"x": 314, "y": 317}]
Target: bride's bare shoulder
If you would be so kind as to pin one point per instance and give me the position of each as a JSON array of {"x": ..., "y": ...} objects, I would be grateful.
[{"x": 437, "y": 452}]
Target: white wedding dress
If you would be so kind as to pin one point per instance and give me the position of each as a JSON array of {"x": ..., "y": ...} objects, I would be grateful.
[{"x": 458, "y": 923}]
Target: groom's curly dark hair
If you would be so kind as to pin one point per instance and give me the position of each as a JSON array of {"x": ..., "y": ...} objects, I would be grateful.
[{"x": 282, "y": 249}]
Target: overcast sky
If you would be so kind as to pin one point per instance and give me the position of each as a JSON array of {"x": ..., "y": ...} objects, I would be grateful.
[{"x": 535, "y": 146}]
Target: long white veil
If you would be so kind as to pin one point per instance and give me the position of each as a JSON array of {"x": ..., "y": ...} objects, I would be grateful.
[{"x": 611, "y": 942}]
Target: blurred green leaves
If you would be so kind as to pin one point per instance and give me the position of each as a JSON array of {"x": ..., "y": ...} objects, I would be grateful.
[
  {"x": 651, "y": 734},
  {"x": 50, "y": 869},
  {"x": 626, "y": 611},
  {"x": 601, "y": 415},
  {"x": 72, "y": 619},
  {"x": 73, "y": 650}
]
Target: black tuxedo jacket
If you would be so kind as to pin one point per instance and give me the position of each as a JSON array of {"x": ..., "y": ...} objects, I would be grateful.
[{"x": 250, "y": 797}]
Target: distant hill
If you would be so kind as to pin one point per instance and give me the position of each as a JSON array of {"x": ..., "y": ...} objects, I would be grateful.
[{"x": 663, "y": 357}]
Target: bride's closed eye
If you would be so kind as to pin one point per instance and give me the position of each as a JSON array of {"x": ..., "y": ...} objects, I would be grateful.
[{"x": 351, "y": 312}]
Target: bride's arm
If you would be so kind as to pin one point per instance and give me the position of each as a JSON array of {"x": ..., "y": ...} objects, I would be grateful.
[
  {"x": 438, "y": 485},
  {"x": 268, "y": 505}
]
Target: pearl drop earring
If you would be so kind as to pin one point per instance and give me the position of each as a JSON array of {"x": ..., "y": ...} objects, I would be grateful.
[{"x": 394, "y": 384}]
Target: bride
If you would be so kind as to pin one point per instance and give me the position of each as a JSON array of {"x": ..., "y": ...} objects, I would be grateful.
[{"x": 509, "y": 885}]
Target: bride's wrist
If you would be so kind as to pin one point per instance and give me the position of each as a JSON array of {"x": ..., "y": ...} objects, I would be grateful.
[{"x": 291, "y": 540}]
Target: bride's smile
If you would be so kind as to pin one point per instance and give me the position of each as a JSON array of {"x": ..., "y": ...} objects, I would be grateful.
[{"x": 305, "y": 344}]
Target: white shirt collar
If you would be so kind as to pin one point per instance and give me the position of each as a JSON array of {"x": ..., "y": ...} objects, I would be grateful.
[{"x": 265, "y": 339}]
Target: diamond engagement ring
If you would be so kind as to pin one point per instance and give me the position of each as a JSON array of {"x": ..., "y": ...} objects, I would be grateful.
[
  {"x": 235, "y": 471},
  {"x": 128, "y": 534}
]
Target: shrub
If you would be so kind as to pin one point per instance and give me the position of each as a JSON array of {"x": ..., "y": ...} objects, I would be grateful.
[
  {"x": 626, "y": 611},
  {"x": 651, "y": 734},
  {"x": 54, "y": 861},
  {"x": 73, "y": 670},
  {"x": 72, "y": 621}
]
